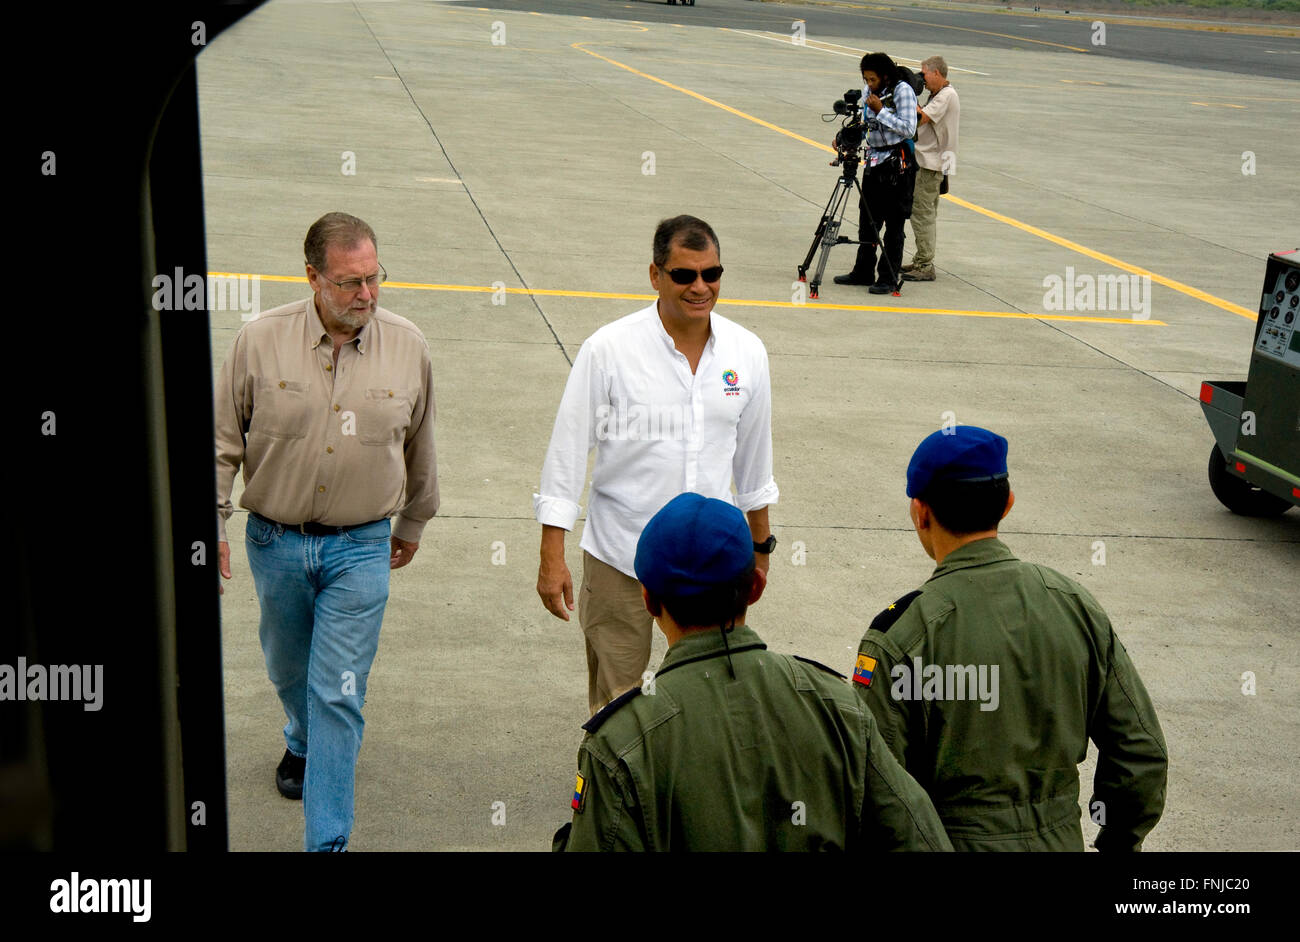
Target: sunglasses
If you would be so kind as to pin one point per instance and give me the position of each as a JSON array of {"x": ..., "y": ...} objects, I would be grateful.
[{"x": 687, "y": 276}]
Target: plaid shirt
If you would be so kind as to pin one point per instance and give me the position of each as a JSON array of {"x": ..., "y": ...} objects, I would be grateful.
[{"x": 889, "y": 126}]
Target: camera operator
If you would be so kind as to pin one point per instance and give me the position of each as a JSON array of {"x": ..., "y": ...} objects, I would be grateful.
[
  {"x": 889, "y": 111},
  {"x": 936, "y": 153}
]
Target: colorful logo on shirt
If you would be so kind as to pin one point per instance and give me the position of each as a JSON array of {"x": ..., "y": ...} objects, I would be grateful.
[
  {"x": 866, "y": 666},
  {"x": 732, "y": 380},
  {"x": 579, "y": 793}
]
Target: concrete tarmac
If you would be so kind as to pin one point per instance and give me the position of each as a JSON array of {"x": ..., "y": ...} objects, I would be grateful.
[{"x": 534, "y": 152}]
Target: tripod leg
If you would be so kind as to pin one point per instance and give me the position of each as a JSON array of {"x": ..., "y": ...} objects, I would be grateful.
[
  {"x": 817, "y": 236},
  {"x": 831, "y": 236}
]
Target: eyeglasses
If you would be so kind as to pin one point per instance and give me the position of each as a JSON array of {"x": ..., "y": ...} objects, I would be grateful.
[
  {"x": 354, "y": 284},
  {"x": 687, "y": 276}
]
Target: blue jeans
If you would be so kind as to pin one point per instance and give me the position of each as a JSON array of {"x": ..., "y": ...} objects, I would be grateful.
[{"x": 322, "y": 601}]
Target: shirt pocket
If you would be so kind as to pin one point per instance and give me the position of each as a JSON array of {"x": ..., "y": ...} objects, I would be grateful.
[
  {"x": 281, "y": 408},
  {"x": 384, "y": 416}
]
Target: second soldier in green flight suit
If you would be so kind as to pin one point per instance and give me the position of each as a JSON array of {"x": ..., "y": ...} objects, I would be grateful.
[{"x": 989, "y": 681}]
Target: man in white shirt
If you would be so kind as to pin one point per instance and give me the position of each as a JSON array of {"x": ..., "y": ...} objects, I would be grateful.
[
  {"x": 936, "y": 157},
  {"x": 674, "y": 398}
]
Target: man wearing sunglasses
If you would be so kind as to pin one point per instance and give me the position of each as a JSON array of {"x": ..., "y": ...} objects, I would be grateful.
[
  {"x": 328, "y": 405},
  {"x": 673, "y": 398}
]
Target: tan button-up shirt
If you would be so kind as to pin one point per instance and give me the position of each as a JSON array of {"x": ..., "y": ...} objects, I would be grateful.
[
  {"x": 938, "y": 136},
  {"x": 338, "y": 445}
]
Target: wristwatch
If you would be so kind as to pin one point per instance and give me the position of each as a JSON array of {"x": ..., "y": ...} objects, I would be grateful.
[{"x": 766, "y": 546}]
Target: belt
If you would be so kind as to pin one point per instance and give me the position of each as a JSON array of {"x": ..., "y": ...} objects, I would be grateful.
[{"x": 311, "y": 528}]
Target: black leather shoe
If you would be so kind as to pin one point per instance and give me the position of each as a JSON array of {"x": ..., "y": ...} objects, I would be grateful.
[
  {"x": 852, "y": 279},
  {"x": 289, "y": 775},
  {"x": 881, "y": 288}
]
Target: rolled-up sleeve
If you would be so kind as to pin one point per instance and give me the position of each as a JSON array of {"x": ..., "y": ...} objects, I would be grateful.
[
  {"x": 564, "y": 472},
  {"x": 232, "y": 409},
  {"x": 751, "y": 466},
  {"x": 421, "y": 458}
]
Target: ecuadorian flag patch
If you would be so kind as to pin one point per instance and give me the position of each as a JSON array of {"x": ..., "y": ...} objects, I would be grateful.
[
  {"x": 865, "y": 667},
  {"x": 579, "y": 793}
]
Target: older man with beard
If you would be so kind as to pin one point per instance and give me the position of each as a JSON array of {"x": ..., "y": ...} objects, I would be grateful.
[{"x": 328, "y": 405}]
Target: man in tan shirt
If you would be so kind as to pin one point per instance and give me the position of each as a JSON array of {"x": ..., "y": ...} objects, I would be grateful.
[
  {"x": 936, "y": 156},
  {"x": 328, "y": 405}
]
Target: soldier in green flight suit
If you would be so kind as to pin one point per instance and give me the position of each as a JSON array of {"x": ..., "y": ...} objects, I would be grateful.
[
  {"x": 989, "y": 681},
  {"x": 732, "y": 747}
]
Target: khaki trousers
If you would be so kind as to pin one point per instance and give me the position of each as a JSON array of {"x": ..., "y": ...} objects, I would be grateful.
[
  {"x": 617, "y": 628},
  {"x": 925, "y": 215}
]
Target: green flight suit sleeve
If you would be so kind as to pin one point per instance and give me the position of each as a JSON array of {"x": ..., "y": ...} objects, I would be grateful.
[
  {"x": 897, "y": 814},
  {"x": 610, "y": 817},
  {"x": 893, "y": 716},
  {"x": 1132, "y": 763}
]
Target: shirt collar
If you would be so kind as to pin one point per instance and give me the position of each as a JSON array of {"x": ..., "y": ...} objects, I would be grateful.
[
  {"x": 978, "y": 553},
  {"x": 317, "y": 333},
  {"x": 666, "y": 338},
  {"x": 702, "y": 644}
]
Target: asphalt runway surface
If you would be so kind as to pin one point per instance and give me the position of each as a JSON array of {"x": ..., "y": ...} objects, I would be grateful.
[
  {"x": 1194, "y": 45},
  {"x": 514, "y": 161}
]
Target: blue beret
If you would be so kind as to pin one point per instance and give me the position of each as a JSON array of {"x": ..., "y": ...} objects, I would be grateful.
[
  {"x": 693, "y": 544},
  {"x": 961, "y": 453}
]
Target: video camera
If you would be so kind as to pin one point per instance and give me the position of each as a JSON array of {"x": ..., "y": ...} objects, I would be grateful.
[
  {"x": 850, "y": 104},
  {"x": 848, "y": 139}
]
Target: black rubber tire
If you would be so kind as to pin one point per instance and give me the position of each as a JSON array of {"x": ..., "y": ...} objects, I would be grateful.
[{"x": 1242, "y": 497}]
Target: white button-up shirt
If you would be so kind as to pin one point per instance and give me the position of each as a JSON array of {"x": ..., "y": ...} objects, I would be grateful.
[{"x": 658, "y": 430}]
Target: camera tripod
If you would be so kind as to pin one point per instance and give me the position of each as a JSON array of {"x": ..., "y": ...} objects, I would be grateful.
[{"x": 828, "y": 230}]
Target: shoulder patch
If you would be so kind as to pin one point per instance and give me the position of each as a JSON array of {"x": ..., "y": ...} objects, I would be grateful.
[
  {"x": 829, "y": 670},
  {"x": 609, "y": 709},
  {"x": 864, "y": 669},
  {"x": 885, "y": 620}
]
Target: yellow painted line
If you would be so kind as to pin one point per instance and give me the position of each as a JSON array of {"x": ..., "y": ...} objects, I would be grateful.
[
  {"x": 1022, "y": 226},
  {"x": 1178, "y": 286},
  {"x": 1217, "y": 104},
  {"x": 733, "y": 302},
  {"x": 706, "y": 100}
]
